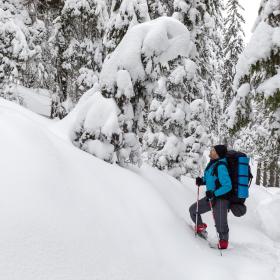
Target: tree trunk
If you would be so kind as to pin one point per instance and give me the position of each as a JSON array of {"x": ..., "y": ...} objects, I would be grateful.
[
  {"x": 271, "y": 174},
  {"x": 264, "y": 169},
  {"x": 277, "y": 177},
  {"x": 259, "y": 171}
]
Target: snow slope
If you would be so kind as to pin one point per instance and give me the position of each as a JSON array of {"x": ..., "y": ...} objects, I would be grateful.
[
  {"x": 37, "y": 100},
  {"x": 65, "y": 215}
]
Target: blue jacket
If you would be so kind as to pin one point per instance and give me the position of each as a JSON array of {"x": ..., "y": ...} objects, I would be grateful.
[{"x": 209, "y": 178}]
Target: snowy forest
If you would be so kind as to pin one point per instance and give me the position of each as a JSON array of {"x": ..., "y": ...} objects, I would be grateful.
[
  {"x": 109, "y": 113},
  {"x": 155, "y": 81}
]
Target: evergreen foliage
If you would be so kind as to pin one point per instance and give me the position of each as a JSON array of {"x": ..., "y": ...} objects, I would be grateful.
[
  {"x": 158, "y": 8},
  {"x": 78, "y": 49},
  {"x": 204, "y": 20},
  {"x": 169, "y": 106},
  {"x": 124, "y": 14},
  {"x": 257, "y": 112},
  {"x": 233, "y": 46},
  {"x": 21, "y": 49},
  {"x": 174, "y": 124}
]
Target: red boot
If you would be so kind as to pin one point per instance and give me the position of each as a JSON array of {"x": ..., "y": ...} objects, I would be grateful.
[
  {"x": 200, "y": 228},
  {"x": 223, "y": 244}
]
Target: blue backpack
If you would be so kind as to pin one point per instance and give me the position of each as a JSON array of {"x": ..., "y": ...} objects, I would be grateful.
[{"x": 240, "y": 174}]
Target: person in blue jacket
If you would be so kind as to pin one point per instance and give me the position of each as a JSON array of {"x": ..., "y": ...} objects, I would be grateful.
[{"x": 217, "y": 190}]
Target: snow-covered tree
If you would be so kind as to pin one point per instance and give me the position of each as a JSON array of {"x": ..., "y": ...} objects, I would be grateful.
[
  {"x": 78, "y": 51},
  {"x": 124, "y": 14},
  {"x": 204, "y": 20},
  {"x": 209, "y": 45},
  {"x": 172, "y": 137},
  {"x": 187, "y": 11},
  {"x": 133, "y": 75},
  {"x": 96, "y": 128},
  {"x": 21, "y": 39},
  {"x": 233, "y": 46},
  {"x": 254, "y": 114}
]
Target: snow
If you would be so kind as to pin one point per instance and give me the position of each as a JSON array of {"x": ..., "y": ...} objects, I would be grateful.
[
  {"x": 123, "y": 16},
  {"x": 272, "y": 6},
  {"x": 93, "y": 116},
  {"x": 264, "y": 38},
  {"x": 268, "y": 210},
  {"x": 68, "y": 215},
  {"x": 165, "y": 38},
  {"x": 270, "y": 86},
  {"x": 124, "y": 84},
  {"x": 101, "y": 115},
  {"x": 99, "y": 149},
  {"x": 36, "y": 100},
  {"x": 238, "y": 103}
]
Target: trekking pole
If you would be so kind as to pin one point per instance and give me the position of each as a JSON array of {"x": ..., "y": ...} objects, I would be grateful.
[
  {"x": 211, "y": 207},
  {"x": 196, "y": 212}
]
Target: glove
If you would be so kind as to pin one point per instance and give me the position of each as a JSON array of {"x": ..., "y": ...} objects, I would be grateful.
[
  {"x": 210, "y": 195},
  {"x": 199, "y": 181}
]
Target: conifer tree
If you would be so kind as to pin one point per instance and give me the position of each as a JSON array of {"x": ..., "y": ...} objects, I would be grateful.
[
  {"x": 137, "y": 80},
  {"x": 21, "y": 39},
  {"x": 254, "y": 114},
  {"x": 171, "y": 140},
  {"x": 78, "y": 48},
  {"x": 204, "y": 20},
  {"x": 233, "y": 45},
  {"x": 209, "y": 47}
]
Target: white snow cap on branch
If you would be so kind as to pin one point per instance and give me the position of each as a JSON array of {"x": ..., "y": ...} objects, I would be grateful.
[
  {"x": 269, "y": 87},
  {"x": 264, "y": 39},
  {"x": 95, "y": 117},
  {"x": 99, "y": 114},
  {"x": 238, "y": 103},
  {"x": 163, "y": 39}
]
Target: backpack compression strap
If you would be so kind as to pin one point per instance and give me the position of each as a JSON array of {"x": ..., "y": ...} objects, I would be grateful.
[{"x": 250, "y": 176}]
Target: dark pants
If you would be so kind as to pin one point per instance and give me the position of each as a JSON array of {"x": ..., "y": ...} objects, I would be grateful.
[{"x": 220, "y": 207}]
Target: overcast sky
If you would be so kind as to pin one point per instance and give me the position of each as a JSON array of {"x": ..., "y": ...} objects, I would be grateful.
[{"x": 251, "y": 12}]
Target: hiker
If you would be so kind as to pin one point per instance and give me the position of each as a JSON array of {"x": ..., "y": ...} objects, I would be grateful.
[{"x": 218, "y": 188}]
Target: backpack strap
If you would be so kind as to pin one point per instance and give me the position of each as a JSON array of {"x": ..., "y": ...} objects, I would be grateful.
[
  {"x": 215, "y": 169},
  {"x": 215, "y": 173}
]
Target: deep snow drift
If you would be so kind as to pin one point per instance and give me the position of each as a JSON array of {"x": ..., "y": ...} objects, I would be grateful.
[{"x": 68, "y": 215}]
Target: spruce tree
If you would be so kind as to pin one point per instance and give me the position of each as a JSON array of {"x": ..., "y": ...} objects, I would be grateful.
[
  {"x": 209, "y": 45},
  {"x": 204, "y": 20},
  {"x": 233, "y": 46},
  {"x": 22, "y": 37},
  {"x": 254, "y": 114},
  {"x": 78, "y": 49},
  {"x": 170, "y": 140},
  {"x": 137, "y": 79}
]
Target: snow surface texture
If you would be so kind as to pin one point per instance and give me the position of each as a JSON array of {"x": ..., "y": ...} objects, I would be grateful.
[
  {"x": 67, "y": 215},
  {"x": 36, "y": 100}
]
